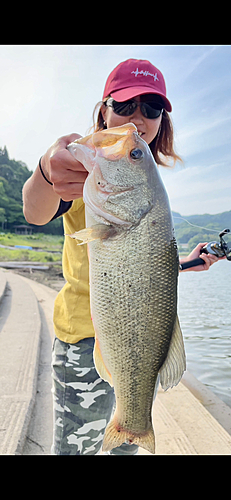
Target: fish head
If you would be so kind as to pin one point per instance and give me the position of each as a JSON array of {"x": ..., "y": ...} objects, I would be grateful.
[{"x": 121, "y": 183}]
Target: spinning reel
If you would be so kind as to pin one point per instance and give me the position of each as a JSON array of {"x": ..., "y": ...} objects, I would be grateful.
[{"x": 220, "y": 249}]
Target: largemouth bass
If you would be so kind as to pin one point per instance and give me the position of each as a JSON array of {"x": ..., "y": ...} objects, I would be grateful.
[{"x": 133, "y": 269}]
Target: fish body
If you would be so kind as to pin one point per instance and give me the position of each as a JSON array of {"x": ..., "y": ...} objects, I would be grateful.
[{"x": 133, "y": 269}]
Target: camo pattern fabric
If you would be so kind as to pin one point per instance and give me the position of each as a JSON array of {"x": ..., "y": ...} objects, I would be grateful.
[{"x": 82, "y": 401}]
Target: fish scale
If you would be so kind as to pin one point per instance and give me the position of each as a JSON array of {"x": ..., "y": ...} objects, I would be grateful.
[{"x": 133, "y": 272}]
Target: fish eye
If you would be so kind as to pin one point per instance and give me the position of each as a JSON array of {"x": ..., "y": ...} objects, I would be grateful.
[{"x": 136, "y": 154}]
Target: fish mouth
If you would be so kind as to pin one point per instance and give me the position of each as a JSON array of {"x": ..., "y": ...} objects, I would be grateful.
[
  {"x": 111, "y": 144},
  {"x": 115, "y": 143}
]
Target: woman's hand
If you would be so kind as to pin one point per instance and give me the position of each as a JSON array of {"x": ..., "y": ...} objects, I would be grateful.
[
  {"x": 209, "y": 259},
  {"x": 63, "y": 170},
  {"x": 41, "y": 199}
]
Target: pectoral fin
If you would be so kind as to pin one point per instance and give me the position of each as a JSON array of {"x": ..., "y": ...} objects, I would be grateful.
[
  {"x": 175, "y": 364},
  {"x": 97, "y": 232}
]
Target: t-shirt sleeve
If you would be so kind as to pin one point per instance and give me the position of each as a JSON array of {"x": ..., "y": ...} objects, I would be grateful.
[{"x": 64, "y": 206}]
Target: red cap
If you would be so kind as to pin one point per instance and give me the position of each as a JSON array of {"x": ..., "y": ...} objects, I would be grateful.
[{"x": 135, "y": 77}]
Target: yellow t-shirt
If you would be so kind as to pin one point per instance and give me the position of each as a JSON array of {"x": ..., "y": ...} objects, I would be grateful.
[{"x": 72, "y": 317}]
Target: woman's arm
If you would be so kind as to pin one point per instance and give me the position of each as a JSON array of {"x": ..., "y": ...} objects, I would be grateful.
[{"x": 40, "y": 199}]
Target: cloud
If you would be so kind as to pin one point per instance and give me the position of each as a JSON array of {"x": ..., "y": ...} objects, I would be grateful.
[
  {"x": 199, "y": 189},
  {"x": 194, "y": 62},
  {"x": 204, "y": 134}
]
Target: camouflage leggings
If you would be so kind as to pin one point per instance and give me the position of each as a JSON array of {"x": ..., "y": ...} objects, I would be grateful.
[{"x": 82, "y": 401}]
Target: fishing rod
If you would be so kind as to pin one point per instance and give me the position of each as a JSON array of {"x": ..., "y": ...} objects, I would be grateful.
[{"x": 220, "y": 249}]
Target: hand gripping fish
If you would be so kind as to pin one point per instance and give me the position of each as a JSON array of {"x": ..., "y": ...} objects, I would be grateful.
[{"x": 133, "y": 269}]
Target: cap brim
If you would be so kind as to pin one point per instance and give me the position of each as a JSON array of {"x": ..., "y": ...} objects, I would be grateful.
[{"x": 128, "y": 93}]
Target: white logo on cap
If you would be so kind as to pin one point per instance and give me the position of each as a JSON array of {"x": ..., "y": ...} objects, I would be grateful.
[{"x": 145, "y": 73}]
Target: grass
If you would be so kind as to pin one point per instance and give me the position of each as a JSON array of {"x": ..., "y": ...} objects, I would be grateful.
[
  {"x": 28, "y": 255},
  {"x": 38, "y": 240}
]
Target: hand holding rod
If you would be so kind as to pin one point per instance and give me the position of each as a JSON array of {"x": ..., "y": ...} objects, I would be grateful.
[
  {"x": 191, "y": 263},
  {"x": 220, "y": 249}
]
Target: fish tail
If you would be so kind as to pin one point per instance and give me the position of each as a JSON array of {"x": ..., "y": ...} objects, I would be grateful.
[{"x": 115, "y": 435}]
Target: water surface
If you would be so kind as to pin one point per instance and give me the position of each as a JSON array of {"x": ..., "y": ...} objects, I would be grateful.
[{"x": 204, "y": 308}]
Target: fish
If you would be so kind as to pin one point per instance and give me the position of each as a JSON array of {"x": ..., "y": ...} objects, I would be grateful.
[{"x": 133, "y": 274}]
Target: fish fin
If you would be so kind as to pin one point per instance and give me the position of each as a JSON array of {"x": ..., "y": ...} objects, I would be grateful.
[
  {"x": 96, "y": 232},
  {"x": 175, "y": 364},
  {"x": 84, "y": 234},
  {"x": 100, "y": 365},
  {"x": 156, "y": 386},
  {"x": 115, "y": 436}
]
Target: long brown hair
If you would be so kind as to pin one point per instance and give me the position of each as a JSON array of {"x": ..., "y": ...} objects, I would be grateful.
[{"x": 162, "y": 147}]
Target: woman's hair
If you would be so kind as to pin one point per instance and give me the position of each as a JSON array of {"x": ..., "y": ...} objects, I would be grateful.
[{"x": 162, "y": 147}]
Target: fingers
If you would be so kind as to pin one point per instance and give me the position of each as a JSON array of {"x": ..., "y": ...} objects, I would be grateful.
[
  {"x": 63, "y": 160},
  {"x": 196, "y": 251},
  {"x": 68, "y": 176},
  {"x": 64, "y": 168},
  {"x": 63, "y": 141},
  {"x": 200, "y": 246},
  {"x": 70, "y": 191},
  {"x": 66, "y": 173},
  {"x": 69, "y": 184},
  {"x": 209, "y": 259}
]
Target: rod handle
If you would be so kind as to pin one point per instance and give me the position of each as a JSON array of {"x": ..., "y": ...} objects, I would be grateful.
[{"x": 191, "y": 263}]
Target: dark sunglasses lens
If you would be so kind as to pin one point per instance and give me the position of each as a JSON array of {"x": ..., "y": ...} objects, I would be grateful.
[
  {"x": 124, "y": 108},
  {"x": 150, "y": 110}
]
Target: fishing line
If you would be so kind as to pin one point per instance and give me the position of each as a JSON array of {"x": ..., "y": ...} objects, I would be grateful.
[{"x": 195, "y": 225}]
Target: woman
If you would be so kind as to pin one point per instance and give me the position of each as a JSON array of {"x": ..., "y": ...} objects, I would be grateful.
[{"x": 134, "y": 92}]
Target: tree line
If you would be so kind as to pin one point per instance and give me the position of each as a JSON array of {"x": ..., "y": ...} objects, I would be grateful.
[
  {"x": 192, "y": 235},
  {"x": 13, "y": 175}
]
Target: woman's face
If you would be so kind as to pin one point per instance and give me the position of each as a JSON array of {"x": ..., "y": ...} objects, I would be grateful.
[{"x": 148, "y": 128}]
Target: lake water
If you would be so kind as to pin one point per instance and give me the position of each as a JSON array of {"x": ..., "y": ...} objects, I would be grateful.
[{"x": 204, "y": 308}]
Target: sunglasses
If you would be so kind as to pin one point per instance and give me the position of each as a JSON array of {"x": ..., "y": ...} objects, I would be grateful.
[{"x": 149, "y": 109}]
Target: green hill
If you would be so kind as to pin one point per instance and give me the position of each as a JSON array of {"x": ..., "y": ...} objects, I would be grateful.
[
  {"x": 185, "y": 233},
  {"x": 13, "y": 174}
]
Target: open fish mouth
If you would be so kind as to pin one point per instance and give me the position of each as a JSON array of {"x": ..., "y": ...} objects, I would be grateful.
[{"x": 110, "y": 143}]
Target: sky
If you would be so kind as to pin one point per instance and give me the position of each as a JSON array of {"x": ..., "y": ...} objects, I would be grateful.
[{"x": 47, "y": 91}]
